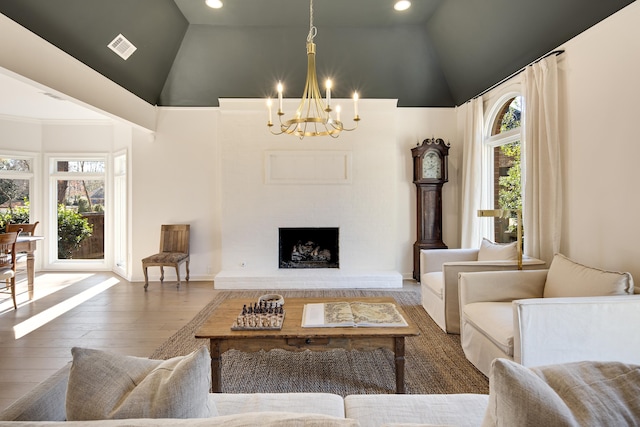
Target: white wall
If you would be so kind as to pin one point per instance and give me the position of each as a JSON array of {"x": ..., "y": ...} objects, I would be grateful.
[
  {"x": 363, "y": 208},
  {"x": 20, "y": 134},
  {"x": 175, "y": 179},
  {"x": 601, "y": 146},
  {"x": 212, "y": 160}
]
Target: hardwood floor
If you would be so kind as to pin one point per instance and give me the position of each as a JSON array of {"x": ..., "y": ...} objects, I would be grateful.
[{"x": 97, "y": 310}]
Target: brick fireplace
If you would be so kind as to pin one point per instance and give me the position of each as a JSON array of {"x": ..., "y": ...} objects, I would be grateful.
[{"x": 274, "y": 183}]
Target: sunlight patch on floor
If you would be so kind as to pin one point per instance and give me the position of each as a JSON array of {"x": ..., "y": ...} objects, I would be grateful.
[
  {"x": 46, "y": 284},
  {"x": 40, "y": 319}
]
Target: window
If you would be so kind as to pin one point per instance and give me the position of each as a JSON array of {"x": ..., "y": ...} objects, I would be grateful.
[
  {"x": 78, "y": 208},
  {"x": 16, "y": 181},
  {"x": 503, "y": 163},
  {"x": 120, "y": 243}
]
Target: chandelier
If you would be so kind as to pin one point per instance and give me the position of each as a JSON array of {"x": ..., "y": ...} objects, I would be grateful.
[{"x": 313, "y": 117}]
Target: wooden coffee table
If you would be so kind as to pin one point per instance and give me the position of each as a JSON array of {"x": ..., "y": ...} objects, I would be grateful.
[{"x": 293, "y": 337}]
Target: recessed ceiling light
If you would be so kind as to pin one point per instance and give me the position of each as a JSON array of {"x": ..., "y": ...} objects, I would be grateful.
[
  {"x": 215, "y": 4},
  {"x": 402, "y": 5}
]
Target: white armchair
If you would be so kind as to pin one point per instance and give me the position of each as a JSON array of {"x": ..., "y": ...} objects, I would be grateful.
[
  {"x": 567, "y": 313},
  {"x": 439, "y": 269}
]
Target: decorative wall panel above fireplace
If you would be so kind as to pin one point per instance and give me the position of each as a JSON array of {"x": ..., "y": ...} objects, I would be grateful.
[{"x": 308, "y": 167}]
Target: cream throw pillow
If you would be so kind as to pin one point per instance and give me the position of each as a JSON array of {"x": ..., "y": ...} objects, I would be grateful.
[
  {"x": 567, "y": 278},
  {"x": 490, "y": 251},
  {"x": 105, "y": 385},
  {"x": 571, "y": 394}
]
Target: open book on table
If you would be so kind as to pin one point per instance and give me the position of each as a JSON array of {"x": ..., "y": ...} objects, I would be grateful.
[{"x": 350, "y": 314}]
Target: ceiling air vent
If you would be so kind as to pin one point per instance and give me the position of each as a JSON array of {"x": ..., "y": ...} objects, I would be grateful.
[{"x": 123, "y": 47}]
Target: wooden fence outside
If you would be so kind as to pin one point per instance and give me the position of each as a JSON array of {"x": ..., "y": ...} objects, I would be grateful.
[{"x": 93, "y": 247}]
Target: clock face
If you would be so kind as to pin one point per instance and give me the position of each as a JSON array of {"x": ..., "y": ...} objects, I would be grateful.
[{"x": 431, "y": 165}]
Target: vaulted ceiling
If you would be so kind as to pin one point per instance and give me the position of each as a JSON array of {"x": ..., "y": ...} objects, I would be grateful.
[{"x": 438, "y": 53}]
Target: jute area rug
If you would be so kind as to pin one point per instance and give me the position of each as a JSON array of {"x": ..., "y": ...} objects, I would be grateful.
[{"x": 434, "y": 361}]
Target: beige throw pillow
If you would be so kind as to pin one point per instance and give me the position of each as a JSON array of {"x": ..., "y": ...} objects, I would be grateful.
[
  {"x": 490, "y": 251},
  {"x": 105, "y": 385},
  {"x": 567, "y": 278},
  {"x": 571, "y": 394}
]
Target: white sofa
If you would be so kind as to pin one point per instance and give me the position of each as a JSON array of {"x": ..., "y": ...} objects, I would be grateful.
[
  {"x": 45, "y": 404},
  {"x": 439, "y": 269},
  {"x": 567, "y": 313},
  {"x": 577, "y": 394}
]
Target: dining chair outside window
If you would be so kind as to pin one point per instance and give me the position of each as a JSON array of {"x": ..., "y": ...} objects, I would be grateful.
[
  {"x": 22, "y": 230},
  {"x": 174, "y": 251},
  {"x": 8, "y": 264}
]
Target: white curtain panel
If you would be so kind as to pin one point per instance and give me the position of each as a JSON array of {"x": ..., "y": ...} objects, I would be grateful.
[
  {"x": 471, "y": 234},
  {"x": 542, "y": 205}
]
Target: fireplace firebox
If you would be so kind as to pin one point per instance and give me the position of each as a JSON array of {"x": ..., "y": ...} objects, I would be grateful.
[{"x": 309, "y": 247}]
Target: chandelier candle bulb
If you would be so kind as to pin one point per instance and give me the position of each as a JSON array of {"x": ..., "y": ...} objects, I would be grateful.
[
  {"x": 269, "y": 104},
  {"x": 328, "y": 86},
  {"x": 280, "y": 89},
  {"x": 338, "y": 112},
  {"x": 355, "y": 104}
]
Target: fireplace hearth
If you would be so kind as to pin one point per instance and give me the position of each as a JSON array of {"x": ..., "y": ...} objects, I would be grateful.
[{"x": 309, "y": 247}]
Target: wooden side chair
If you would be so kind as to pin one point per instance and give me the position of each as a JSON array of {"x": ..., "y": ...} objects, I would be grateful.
[
  {"x": 8, "y": 264},
  {"x": 174, "y": 250}
]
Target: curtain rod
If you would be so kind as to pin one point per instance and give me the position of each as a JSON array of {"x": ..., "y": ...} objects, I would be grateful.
[{"x": 555, "y": 52}]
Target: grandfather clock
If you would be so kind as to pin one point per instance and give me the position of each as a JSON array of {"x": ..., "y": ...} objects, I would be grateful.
[{"x": 430, "y": 172}]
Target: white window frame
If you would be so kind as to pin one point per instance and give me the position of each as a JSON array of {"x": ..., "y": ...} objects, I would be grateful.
[
  {"x": 121, "y": 235},
  {"x": 491, "y": 141},
  {"x": 34, "y": 190},
  {"x": 51, "y": 239}
]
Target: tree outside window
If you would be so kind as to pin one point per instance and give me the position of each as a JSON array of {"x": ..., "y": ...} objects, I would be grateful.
[
  {"x": 507, "y": 179},
  {"x": 80, "y": 201},
  {"x": 15, "y": 180}
]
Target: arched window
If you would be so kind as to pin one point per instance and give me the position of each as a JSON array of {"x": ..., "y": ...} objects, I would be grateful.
[{"x": 503, "y": 170}]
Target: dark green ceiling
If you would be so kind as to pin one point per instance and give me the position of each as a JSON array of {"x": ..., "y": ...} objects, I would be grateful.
[{"x": 438, "y": 53}]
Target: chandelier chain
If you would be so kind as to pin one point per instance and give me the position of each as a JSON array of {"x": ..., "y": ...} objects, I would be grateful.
[{"x": 312, "y": 30}]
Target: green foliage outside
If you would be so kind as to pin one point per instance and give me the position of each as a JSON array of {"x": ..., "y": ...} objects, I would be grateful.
[
  {"x": 510, "y": 192},
  {"x": 510, "y": 196},
  {"x": 83, "y": 205},
  {"x": 17, "y": 215},
  {"x": 13, "y": 190},
  {"x": 73, "y": 229}
]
